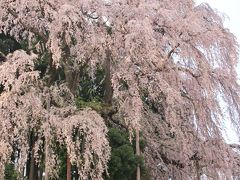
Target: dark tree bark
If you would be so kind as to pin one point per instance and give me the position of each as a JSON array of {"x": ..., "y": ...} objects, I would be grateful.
[
  {"x": 33, "y": 175},
  {"x": 68, "y": 169},
  {"x": 198, "y": 170},
  {"x": 40, "y": 173},
  {"x": 108, "y": 91},
  {"x": 28, "y": 166},
  {"x": 137, "y": 153},
  {"x": 33, "y": 168}
]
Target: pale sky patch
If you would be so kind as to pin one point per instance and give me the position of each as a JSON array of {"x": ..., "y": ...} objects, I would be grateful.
[{"x": 230, "y": 9}]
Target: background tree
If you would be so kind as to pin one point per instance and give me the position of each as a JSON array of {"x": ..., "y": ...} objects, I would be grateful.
[
  {"x": 167, "y": 64},
  {"x": 124, "y": 161}
]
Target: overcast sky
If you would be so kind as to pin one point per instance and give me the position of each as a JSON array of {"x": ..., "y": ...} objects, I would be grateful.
[{"x": 230, "y": 9}]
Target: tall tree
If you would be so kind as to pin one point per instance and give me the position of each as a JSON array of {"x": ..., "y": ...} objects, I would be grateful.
[{"x": 170, "y": 64}]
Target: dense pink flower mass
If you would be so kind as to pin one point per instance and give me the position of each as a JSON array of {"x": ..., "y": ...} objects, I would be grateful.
[
  {"x": 168, "y": 64},
  {"x": 24, "y": 108}
]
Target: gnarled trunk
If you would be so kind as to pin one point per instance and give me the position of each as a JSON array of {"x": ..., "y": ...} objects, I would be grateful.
[
  {"x": 137, "y": 153},
  {"x": 108, "y": 91}
]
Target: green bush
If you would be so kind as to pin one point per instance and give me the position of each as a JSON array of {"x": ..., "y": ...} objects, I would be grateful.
[
  {"x": 94, "y": 104},
  {"x": 124, "y": 161},
  {"x": 10, "y": 173}
]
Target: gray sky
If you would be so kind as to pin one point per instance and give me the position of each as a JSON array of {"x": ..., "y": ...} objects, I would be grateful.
[{"x": 231, "y": 9}]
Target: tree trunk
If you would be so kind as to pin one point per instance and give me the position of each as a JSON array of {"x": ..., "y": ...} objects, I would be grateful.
[
  {"x": 33, "y": 175},
  {"x": 137, "y": 153},
  {"x": 108, "y": 91},
  {"x": 71, "y": 74},
  {"x": 46, "y": 157},
  {"x": 40, "y": 173},
  {"x": 72, "y": 78},
  {"x": 68, "y": 168},
  {"x": 198, "y": 170},
  {"x": 46, "y": 142},
  {"x": 27, "y": 170},
  {"x": 32, "y": 169}
]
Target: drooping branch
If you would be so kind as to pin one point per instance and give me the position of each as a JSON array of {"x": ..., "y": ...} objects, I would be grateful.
[
  {"x": 143, "y": 42},
  {"x": 28, "y": 27},
  {"x": 236, "y": 146},
  {"x": 2, "y": 57},
  {"x": 172, "y": 50}
]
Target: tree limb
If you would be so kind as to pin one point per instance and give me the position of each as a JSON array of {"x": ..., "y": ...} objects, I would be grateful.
[
  {"x": 32, "y": 29},
  {"x": 2, "y": 57},
  {"x": 235, "y": 146},
  {"x": 172, "y": 51}
]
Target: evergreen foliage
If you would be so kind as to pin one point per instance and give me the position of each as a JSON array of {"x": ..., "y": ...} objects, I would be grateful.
[
  {"x": 10, "y": 172},
  {"x": 8, "y": 44},
  {"x": 123, "y": 162}
]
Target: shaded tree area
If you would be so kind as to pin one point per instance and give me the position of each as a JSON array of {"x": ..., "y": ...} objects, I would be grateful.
[
  {"x": 82, "y": 82},
  {"x": 35, "y": 166},
  {"x": 8, "y": 44},
  {"x": 123, "y": 162}
]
